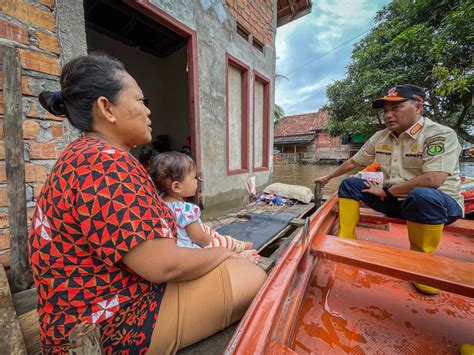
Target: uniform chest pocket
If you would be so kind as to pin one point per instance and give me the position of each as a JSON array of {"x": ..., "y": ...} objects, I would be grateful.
[
  {"x": 383, "y": 158},
  {"x": 413, "y": 158}
]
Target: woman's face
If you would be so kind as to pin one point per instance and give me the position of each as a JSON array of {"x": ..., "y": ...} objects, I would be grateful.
[{"x": 132, "y": 125}]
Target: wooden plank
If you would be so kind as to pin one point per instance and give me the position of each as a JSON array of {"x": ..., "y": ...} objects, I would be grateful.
[
  {"x": 462, "y": 226},
  {"x": 29, "y": 324},
  {"x": 25, "y": 301},
  {"x": 15, "y": 169},
  {"x": 266, "y": 263},
  {"x": 11, "y": 339},
  {"x": 446, "y": 274}
]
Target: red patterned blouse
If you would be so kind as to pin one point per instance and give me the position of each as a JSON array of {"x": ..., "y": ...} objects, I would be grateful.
[{"x": 97, "y": 204}]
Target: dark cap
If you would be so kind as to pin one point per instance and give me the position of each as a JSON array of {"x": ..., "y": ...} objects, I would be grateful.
[{"x": 401, "y": 93}]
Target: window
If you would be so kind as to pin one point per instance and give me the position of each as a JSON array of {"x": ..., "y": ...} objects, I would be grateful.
[
  {"x": 237, "y": 117},
  {"x": 261, "y": 122},
  {"x": 242, "y": 31}
]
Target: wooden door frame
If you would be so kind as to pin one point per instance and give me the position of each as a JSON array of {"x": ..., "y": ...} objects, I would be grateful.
[{"x": 155, "y": 13}]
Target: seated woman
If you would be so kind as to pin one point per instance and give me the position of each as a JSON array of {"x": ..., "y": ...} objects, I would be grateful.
[{"x": 102, "y": 242}]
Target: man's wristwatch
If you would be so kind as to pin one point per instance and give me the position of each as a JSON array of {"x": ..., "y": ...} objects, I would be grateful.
[{"x": 386, "y": 189}]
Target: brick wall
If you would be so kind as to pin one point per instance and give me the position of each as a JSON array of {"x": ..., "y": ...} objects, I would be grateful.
[
  {"x": 256, "y": 16},
  {"x": 31, "y": 27}
]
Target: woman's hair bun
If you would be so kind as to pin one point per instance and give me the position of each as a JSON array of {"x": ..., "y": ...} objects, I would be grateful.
[{"x": 53, "y": 102}]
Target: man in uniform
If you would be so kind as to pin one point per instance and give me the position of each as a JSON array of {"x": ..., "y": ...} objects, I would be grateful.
[{"x": 420, "y": 162}]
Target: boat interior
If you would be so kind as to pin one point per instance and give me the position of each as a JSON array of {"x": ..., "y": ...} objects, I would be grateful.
[{"x": 336, "y": 295}]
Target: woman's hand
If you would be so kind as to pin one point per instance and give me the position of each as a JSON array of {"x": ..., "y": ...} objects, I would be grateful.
[{"x": 374, "y": 188}]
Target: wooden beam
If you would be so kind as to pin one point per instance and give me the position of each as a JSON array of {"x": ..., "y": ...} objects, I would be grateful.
[
  {"x": 450, "y": 275},
  {"x": 463, "y": 226},
  {"x": 15, "y": 168},
  {"x": 11, "y": 339}
]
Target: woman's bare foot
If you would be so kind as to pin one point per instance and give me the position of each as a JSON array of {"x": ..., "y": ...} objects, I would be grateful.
[
  {"x": 251, "y": 255},
  {"x": 248, "y": 245}
]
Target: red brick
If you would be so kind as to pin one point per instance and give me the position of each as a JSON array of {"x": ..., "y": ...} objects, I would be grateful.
[
  {"x": 2, "y": 150},
  {"x": 25, "y": 86},
  {"x": 31, "y": 129},
  {"x": 5, "y": 258},
  {"x": 3, "y": 219},
  {"x": 35, "y": 173},
  {"x": 28, "y": 13},
  {"x": 13, "y": 32},
  {"x": 2, "y": 133},
  {"x": 40, "y": 150},
  {"x": 37, "y": 191},
  {"x": 57, "y": 130},
  {"x": 4, "y": 240},
  {"x": 48, "y": 3},
  {"x": 33, "y": 113},
  {"x": 39, "y": 62},
  {"x": 48, "y": 42},
  {"x": 3, "y": 197},
  {"x": 3, "y": 174}
]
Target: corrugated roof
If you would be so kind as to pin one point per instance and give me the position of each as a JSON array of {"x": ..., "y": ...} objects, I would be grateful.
[
  {"x": 298, "y": 139},
  {"x": 301, "y": 124}
]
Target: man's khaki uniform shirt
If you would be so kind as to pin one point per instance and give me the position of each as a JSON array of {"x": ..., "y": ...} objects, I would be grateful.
[{"x": 426, "y": 146}]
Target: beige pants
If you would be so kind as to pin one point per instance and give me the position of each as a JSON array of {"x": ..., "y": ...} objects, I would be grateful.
[{"x": 192, "y": 311}]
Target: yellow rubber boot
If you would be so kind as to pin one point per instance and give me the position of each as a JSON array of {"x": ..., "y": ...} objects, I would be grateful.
[
  {"x": 424, "y": 238},
  {"x": 349, "y": 213},
  {"x": 466, "y": 349}
]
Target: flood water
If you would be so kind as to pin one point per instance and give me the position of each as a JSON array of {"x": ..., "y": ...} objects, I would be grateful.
[{"x": 297, "y": 174}]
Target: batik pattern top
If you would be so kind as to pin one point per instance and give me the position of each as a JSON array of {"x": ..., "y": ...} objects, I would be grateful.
[{"x": 96, "y": 205}]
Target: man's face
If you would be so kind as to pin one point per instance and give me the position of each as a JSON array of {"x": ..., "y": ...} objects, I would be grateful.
[{"x": 399, "y": 116}]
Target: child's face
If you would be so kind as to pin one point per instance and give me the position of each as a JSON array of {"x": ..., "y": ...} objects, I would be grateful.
[{"x": 188, "y": 186}]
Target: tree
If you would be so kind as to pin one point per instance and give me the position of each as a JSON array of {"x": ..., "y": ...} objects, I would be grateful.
[
  {"x": 424, "y": 42},
  {"x": 278, "y": 114}
]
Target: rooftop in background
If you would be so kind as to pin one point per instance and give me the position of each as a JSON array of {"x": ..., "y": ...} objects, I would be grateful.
[
  {"x": 290, "y": 10},
  {"x": 301, "y": 124},
  {"x": 300, "y": 129}
]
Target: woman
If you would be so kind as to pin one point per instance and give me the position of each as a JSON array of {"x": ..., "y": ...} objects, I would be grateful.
[{"x": 102, "y": 242}]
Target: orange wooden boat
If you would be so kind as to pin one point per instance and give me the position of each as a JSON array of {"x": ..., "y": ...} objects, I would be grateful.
[{"x": 335, "y": 295}]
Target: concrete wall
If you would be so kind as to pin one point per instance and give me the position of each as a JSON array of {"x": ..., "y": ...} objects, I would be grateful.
[
  {"x": 215, "y": 38},
  {"x": 163, "y": 81}
]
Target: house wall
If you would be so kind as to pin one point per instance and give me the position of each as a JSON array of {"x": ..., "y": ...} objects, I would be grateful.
[
  {"x": 256, "y": 17},
  {"x": 30, "y": 27},
  {"x": 48, "y": 33},
  {"x": 164, "y": 83},
  {"x": 216, "y": 37}
]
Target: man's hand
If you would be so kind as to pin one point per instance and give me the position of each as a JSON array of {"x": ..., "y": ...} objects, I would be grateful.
[
  {"x": 374, "y": 188},
  {"x": 323, "y": 180}
]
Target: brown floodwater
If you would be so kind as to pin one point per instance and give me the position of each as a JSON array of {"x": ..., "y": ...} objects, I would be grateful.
[{"x": 297, "y": 174}]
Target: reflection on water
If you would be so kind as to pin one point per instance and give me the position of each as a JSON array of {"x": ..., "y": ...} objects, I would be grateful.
[
  {"x": 304, "y": 175},
  {"x": 296, "y": 174}
]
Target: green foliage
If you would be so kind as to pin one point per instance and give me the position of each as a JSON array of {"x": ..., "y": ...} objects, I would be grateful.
[
  {"x": 424, "y": 42},
  {"x": 278, "y": 114}
]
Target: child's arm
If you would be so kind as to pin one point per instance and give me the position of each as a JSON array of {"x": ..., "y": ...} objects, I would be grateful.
[{"x": 198, "y": 235}]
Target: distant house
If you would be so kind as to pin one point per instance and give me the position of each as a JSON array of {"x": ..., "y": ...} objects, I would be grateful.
[{"x": 301, "y": 138}]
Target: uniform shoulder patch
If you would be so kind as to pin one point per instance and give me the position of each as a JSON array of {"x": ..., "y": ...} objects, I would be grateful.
[
  {"x": 435, "y": 148},
  {"x": 435, "y": 139}
]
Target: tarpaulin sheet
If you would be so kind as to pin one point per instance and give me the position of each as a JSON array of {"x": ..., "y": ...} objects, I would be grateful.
[{"x": 259, "y": 228}]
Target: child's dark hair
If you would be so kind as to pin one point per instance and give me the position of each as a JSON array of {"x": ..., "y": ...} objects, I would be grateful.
[
  {"x": 83, "y": 80},
  {"x": 168, "y": 167}
]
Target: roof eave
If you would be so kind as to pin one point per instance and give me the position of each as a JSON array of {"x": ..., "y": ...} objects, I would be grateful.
[{"x": 294, "y": 10}]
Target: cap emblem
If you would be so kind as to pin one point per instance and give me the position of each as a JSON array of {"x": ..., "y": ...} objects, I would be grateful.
[{"x": 392, "y": 92}]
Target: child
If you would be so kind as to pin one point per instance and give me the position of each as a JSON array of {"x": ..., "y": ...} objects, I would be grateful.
[{"x": 174, "y": 174}]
